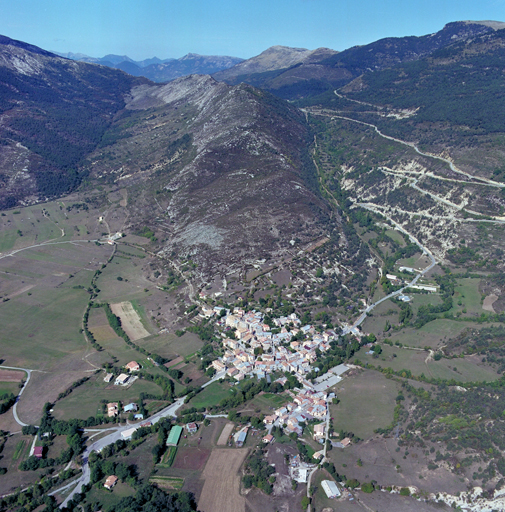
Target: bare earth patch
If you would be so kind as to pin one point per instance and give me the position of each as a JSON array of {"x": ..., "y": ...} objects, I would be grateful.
[
  {"x": 489, "y": 301},
  {"x": 11, "y": 376},
  {"x": 221, "y": 491},
  {"x": 130, "y": 320},
  {"x": 227, "y": 430}
]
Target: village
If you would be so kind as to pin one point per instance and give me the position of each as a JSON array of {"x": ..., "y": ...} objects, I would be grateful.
[{"x": 254, "y": 349}]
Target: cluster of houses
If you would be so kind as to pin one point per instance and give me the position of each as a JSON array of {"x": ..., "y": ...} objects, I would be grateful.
[
  {"x": 124, "y": 378},
  {"x": 306, "y": 406},
  {"x": 113, "y": 410},
  {"x": 258, "y": 351}
]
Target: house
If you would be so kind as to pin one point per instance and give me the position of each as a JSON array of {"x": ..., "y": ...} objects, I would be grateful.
[
  {"x": 191, "y": 428},
  {"x": 330, "y": 488},
  {"x": 318, "y": 455},
  {"x": 218, "y": 365},
  {"x": 38, "y": 452},
  {"x": 319, "y": 431},
  {"x": 269, "y": 420},
  {"x": 345, "y": 442},
  {"x": 133, "y": 366},
  {"x": 268, "y": 438},
  {"x": 108, "y": 377},
  {"x": 110, "y": 482},
  {"x": 133, "y": 407},
  {"x": 138, "y": 417},
  {"x": 122, "y": 380},
  {"x": 112, "y": 409},
  {"x": 231, "y": 372}
]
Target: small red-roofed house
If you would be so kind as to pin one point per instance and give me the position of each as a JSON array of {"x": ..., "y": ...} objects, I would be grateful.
[{"x": 133, "y": 366}]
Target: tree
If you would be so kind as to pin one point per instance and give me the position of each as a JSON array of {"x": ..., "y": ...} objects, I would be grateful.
[{"x": 305, "y": 503}]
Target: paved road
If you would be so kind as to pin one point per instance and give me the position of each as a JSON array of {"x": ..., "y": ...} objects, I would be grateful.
[
  {"x": 15, "y": 408},
  {"x": 169, "y": 411}
]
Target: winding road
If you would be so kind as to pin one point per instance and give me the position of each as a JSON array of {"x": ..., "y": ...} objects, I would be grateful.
[
  {"x": 114, "y": 436},
  {"x": 15, "y": 408}
]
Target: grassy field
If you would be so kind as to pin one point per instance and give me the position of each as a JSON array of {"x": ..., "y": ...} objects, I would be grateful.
[
  {"x": 268, "y": 402},
  {"x": 84, "y": 401},
  {"x": 396, "y": 236},
  {"x": 433, "y": 334},
  {"x": 467, "y": 297},
  {"x": 9, "y": 387},
  {"x": 168, "y": 344},
  {"x": 167, "y": 482},
  {"x": 367, "y": 402},
  {"x": 46, "y": 302},
  {"x": 384, "y": 312},
  {"x": 211, "y": 395},
  {"x": 131, "y": 284},
  {"x": 108, "y": 498},
  {"x": 468, "y": 368}
]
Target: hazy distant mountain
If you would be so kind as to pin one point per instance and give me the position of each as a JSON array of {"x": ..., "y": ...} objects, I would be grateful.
[
  {"x": 294, "y": 73},
  {"x": 159, "y": 70}
]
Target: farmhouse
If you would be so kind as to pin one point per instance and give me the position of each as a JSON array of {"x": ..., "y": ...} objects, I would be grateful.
[
  {"x": 110, "y": 482},
  {"x": 133, "y": 366},
  {"x": 112, "y": 409},
  {"x": 330, "y": 488},
  {"x": 191, "y": 428},
  {"x": 131, "y": 407},
  {"x": 122, "y": 380},
  {"x": 174, "y": 435}
]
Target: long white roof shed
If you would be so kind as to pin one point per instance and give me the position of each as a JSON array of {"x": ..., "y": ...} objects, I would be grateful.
[{"x": 330, "y": 488}]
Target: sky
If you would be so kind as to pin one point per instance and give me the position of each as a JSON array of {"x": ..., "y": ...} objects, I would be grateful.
[{"x": 241, "y": 28}]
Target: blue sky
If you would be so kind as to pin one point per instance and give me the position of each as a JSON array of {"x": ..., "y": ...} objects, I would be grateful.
[{"x": 241, "y": 28}]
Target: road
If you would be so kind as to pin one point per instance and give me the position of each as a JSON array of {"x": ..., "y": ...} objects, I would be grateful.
[
  {"x": 411, "y": 145},
  {"x": 15, "y": 408},
  {"x": 326, "y": 438},
  {"x": 425, "y": 250},
  {"x": 12, "y": 253},
  {"x": 169, "y": 411}
]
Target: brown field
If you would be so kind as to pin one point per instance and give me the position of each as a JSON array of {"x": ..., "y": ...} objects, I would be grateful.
[
  {"x": 11, "y": 375},
  {"x": 130, "y": 320},
  {"x": 103, "y": 333},
  {"x": 221, "y": 491},
  {"x": 44, "y": 387},
  {"x": 489, "y": 301},
  {"x": 227, "y": 430},
  {"x": 189, "y": 457},
  {"x": 174, "y": 362}
]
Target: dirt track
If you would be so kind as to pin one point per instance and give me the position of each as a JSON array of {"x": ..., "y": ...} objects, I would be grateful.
[
  {"x": 225, "y": 434},
  {"x": 130, "y": 320},
  {"x": 221, "y": 491}
]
